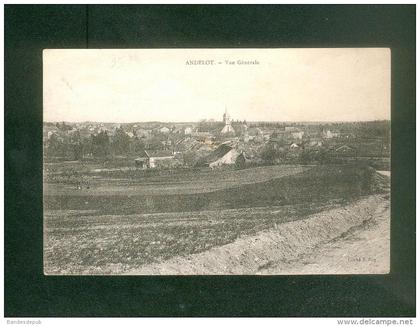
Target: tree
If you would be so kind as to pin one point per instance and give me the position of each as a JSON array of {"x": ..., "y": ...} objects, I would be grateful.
[
  {"x": 55, "y": 147},
  {"x": 272, "y": 155},
  {"x": 137, "y": 145},
  {"x": 120, "y": 142},
  {"x": 100, "y": 144}
]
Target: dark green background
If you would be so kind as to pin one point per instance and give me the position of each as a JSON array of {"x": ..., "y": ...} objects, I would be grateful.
[{"x": 29, "y": 29}]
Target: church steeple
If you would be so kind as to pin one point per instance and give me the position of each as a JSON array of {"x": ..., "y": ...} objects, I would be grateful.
[{"x": 226, "y": 117}]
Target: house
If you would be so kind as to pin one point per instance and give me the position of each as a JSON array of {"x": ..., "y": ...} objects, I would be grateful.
[
  {"x": 294, "y": 146},
  {"x": 188, "y": 130},
  {"x": 314, "y": 143},
  {"x": 222, "y": 155},
  {"x": 164, "y": 130},
  {"x": 185, "y": 144},
  {"x": 178, "y": 130},
  {"x": 204, "y": 137},
  {"x": 102, "y": 128},
  {"x": 50, "y": 133},
  {"x": 297, "y": 134},
  {"x": 343, "y": 151},
  {"x": 153, "y": 159},
  {"x": 330, "y": 134}
]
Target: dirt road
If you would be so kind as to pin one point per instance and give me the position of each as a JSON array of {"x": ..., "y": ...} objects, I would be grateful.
[{"x": 363, "y": 249}]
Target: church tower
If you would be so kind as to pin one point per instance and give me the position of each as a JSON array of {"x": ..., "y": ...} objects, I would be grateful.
[{"x": 226, "y": 119}]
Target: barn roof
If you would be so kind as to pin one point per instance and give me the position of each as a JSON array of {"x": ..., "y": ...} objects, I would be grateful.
[
  {"x": 218, "y": 153},
  {"x": 344, "y": 148},
  {"x": 143, "y": 154}
]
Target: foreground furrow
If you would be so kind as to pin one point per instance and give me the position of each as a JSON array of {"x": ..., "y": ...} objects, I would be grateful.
[{"x": 340, "y": 240}]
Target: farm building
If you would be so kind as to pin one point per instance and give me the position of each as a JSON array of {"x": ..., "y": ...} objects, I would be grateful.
[
  {"x": 222, "y": 155},
  {"x": 343, "y": 151},
  {"x": 153, "y": 159}
]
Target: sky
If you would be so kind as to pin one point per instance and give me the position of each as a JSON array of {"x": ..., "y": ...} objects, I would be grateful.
[{"x": 136, "y": 85}]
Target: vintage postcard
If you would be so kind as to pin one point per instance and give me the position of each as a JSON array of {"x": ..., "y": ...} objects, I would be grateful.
[{"x": 216, "y": 161}]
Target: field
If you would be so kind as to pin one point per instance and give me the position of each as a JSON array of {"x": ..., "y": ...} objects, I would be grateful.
[
  {"x": 131, "y": 181},
  {"x": 125, "y": 219}
]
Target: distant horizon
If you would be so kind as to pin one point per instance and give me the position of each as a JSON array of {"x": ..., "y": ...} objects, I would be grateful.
[{"x": 233, "y": 120}]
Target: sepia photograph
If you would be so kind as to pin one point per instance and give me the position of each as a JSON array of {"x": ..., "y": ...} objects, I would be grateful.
[{"x": 269, "y": 161}]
